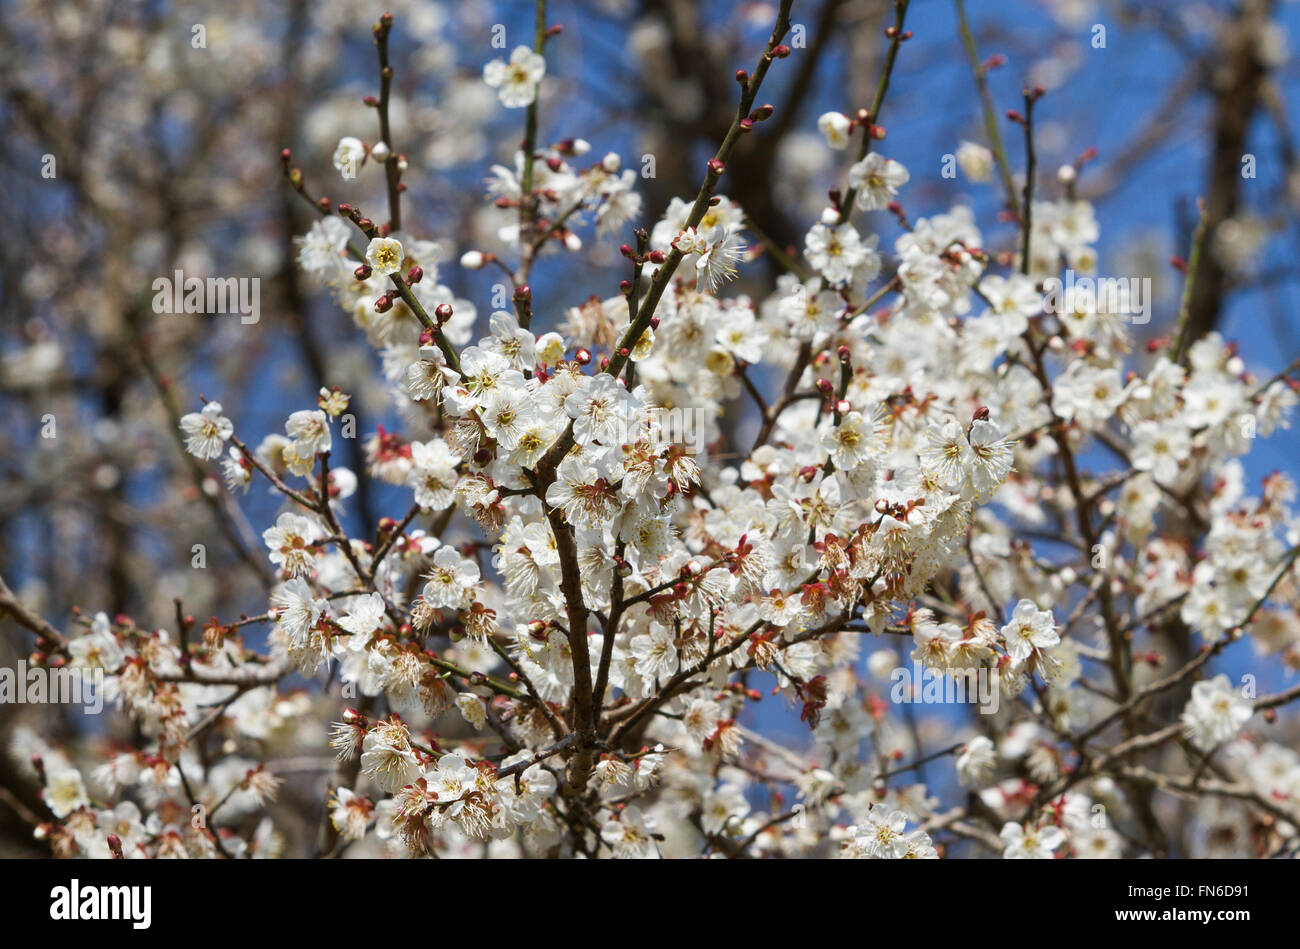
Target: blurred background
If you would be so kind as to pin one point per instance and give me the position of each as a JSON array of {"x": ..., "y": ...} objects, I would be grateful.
[{"x": 144, "y": 137}]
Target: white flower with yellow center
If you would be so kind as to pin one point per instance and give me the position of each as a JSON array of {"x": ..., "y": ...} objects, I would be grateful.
[
  {"x": 385, "y": 254},
  {"x": 516, "y": 81}
]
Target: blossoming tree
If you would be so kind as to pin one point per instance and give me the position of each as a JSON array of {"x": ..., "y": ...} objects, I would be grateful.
[{"x": 558, "y": 646}]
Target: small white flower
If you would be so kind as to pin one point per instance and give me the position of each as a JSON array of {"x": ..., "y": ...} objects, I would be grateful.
[
  {"x": 516, "y": 81},
  {"x": 290, "y": 542},
  {"x": 836, "y": 126},
  {"x": 450, "y": 580},
  {"x": 348, "y": 156},
  {"x": 976, "y": 760},
  {"x": 1215, "y": 712},
  {"x": 310, "y": 431},
  {"x": 1029, "y": 631},
  {"x": 387, "y": 757},
  {"x": 836, "y": 253},
  {"x": 299, "y": 609},
  {"x": 718, "y": 263},
  {"x": 991, "y": 457},
  {"x": 433, "y": 474},
  {"x": 655, "y": 653},
  {"x": 320, "y": 250},
  {"x": 1160, "y": 448},
  {"x": 1036, "y": 843},
  {"x": 630, "y": 835},
  {"x": 206, "y": 431},
  {"x": 364, "y": 616},
  {"x": 385, "y": 255},
  {"x": 975, "y": 161},
  {"x": 882, "y": 838},
  {"x": 472, "y": 708},
  {"x": 855, "y": 440},
  {"x": 876, "y": 180},
  {"x": 65, "y": 791}
]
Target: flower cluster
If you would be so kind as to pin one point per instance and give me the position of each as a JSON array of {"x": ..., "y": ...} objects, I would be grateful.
[{"x": 557, "y": 648}]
